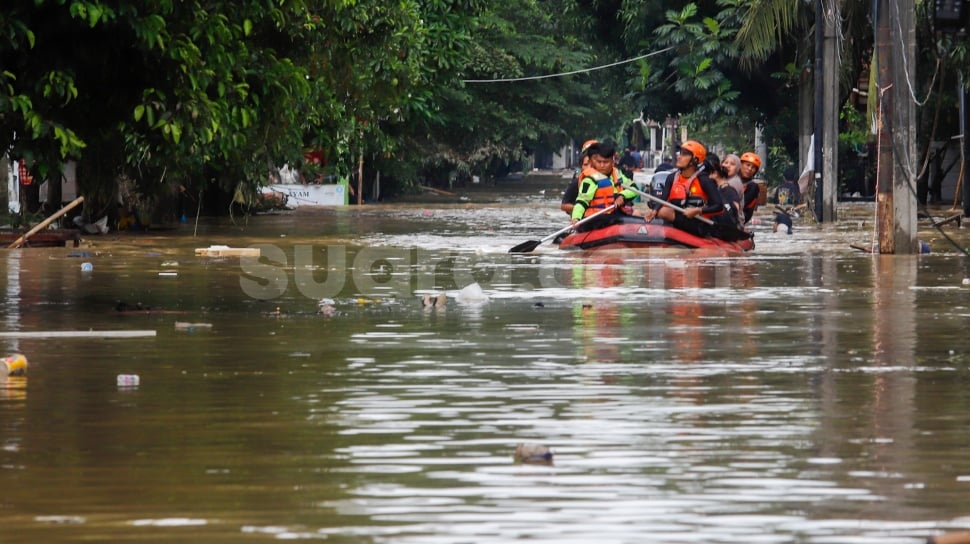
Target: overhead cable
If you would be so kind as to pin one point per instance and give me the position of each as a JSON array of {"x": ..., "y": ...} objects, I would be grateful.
[{"x": 585, "y": 70}]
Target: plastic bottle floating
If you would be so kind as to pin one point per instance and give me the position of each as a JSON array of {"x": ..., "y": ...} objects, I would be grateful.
[{"x": 13, "y": 365}]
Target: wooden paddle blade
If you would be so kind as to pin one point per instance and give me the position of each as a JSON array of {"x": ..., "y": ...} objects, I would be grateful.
[{"x": 526, "y": 247}]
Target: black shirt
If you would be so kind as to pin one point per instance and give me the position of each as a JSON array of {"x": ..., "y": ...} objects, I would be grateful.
[{"x": 572, "y": 190}]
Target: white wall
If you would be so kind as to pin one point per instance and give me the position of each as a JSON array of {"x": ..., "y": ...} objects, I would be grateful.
[{"x": 13, "y": 183}]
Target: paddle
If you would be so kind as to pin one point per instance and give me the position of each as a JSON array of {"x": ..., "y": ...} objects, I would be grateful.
[
  {"x": 668, "y": 204},
  {"x": 727, "y": 232},
  {"x": 526, "y": 247}
]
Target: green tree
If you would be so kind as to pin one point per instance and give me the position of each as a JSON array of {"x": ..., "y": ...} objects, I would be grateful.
[
  {"x": 498, "y": 105},
  {"x": 203, "y": 94}
]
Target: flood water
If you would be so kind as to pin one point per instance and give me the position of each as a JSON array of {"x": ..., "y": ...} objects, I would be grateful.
[{"x": 805, "y": 392}]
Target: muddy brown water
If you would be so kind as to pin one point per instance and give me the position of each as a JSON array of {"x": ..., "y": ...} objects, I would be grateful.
[{"x": 806, "y": 392}]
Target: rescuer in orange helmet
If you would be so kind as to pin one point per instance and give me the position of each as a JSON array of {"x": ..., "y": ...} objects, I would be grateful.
[
  {"x": 750, "y": 166},
  {"x": 691, "y": 189}
]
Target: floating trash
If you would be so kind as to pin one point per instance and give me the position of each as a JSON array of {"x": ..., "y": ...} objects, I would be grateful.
[
  {"x": 192, "y": 327},
  {"x": 13, "y": 365},
  {"x": 472, "y": 294},
  {"x": 128, "y": 380},
  {"x": 434, "y": 301},
  {"x": 957, "y": 537},
  {"x": 533, "y": 454},
  {"x": 169, "y": 522},
  {"x": 61, "y": 519},
  {"x": 226, "y": 251}
]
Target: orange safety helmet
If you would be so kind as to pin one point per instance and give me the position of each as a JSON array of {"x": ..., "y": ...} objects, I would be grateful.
[
  {"x": 753, "y": 158},
  {"x": 696, "y": 149},
  {"x": 586, "y": 145}
]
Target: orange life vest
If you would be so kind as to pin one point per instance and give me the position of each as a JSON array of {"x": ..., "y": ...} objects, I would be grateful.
[
  {"x": 687, "y": 192},
  {"x": 607, "y": 187},
  {"x": 750, "y": 203}
]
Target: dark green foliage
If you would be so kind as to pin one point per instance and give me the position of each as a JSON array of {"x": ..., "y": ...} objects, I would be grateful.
[{"x": 207, "y": 95}]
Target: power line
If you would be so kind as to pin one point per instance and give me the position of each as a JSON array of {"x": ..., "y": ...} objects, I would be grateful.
[{"x": 585, "y": 70}]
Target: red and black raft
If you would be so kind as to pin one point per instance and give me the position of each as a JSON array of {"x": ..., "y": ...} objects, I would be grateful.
[{"x": 631, "y": 232}]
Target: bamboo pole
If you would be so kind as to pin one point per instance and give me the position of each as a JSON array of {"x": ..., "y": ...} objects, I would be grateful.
[{"x": 20, "y": 241}]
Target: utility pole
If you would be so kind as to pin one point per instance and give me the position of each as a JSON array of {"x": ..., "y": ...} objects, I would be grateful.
[
  {"x": 819, "y": 100},
  {"x": 828, "y": 18},
  {"x": 964, "y": 124},
  {"x": 895, "y": 69},
  {"x": 885, "y": 118},
  {"x": 903, "y": 32}
]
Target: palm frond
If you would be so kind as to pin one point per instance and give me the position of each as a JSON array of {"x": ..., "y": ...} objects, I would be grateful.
[{"x": 765, "y": 25}]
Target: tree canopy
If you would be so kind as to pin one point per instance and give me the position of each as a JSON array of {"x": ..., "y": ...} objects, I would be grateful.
[{"x": 202, "y": 94}]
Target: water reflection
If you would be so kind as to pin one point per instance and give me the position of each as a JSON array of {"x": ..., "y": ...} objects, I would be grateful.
[
  {"x": 799, "y": 394},
  {"x": 12, "y": 294}
]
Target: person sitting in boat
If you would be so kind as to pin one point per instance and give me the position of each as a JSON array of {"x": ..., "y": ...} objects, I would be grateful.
[
  {"x": 572, "y": 190},
  {"x": 602, "y": 184},
  {"x": 691, "y": 189},
  {"x": 750, "y": 165},
  {"x": 733, "y": 216},
  {"x": 731, "y": 166}
]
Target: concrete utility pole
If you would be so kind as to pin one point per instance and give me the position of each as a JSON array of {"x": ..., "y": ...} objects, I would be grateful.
[
  {"x": 964, "y": 95},
  {"x": 895, "y": 65},
  {"x": 905, "y": 168},
  {"x": 827, "y": 66}
]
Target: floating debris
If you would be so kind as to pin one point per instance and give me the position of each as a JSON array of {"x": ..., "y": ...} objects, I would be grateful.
[
  {"x": 958, "y": 537},
  {"x": 78, "y": 334},
  {"x": 226, "y": 251},
  {"x": 275, "y": 313},
  {"x": 327, "y": 307},
  {"x": 13, "y": 365},
  {"x": 472, "y": 294},
  {"x": 60, "y": 519},
  {"x": 192, "y": 327},
  {"x": 533, "y": 454},
  {"x": 434, "y": 301},
  {"x": 122, "y": 306},
  {"x": 128, "y": 380}
]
